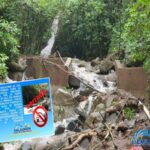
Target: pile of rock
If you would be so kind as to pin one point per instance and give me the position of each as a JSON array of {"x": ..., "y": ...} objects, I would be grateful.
[
  {"x": 119, "y": 110},
  {"x": 90, "y": 119}
]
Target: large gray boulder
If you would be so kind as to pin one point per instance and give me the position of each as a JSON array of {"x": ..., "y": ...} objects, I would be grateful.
[
  {"x": 106, "y": 66},
  {"x": 73, "y": 82}
]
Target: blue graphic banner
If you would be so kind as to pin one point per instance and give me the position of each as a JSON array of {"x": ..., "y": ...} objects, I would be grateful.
[{"x": 26, "y": 110}]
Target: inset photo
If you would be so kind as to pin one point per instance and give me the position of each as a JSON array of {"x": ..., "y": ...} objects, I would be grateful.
[{"x": 35, "y": 95}]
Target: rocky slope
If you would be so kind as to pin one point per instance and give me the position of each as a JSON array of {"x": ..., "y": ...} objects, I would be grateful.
[{"x": 92, "y": 114}]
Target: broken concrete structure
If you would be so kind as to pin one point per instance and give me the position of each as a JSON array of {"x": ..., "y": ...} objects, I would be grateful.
[
  {"x": 133, "y": 80},
  {"x": 51, "y": 67}
]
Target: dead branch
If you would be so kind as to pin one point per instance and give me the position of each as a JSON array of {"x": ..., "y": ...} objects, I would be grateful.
[
  {"x": 88, "y": 85},
  {"x": 61, "y": 58},
  {"x": 70, "y": 72},
  {"x": 59, "y": 66},
  {"x": 145, "y": 109},
  {"x": 79, "y": 139},
  {"x": 110, "y": 133},
  {"x": 106, "y": 135}
]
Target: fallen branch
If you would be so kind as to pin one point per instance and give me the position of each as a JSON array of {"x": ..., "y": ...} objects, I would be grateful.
[
  {"x": 145, "y": 109},
  {"x": 59, "y": 66},
  {"x": 110, "y": 133},
  {"x": 61, "y": 58},
  {"x": 79, "y": 139},
  {"x": 70, "y": 72},
  {"x": 88, "y": 85},
  {"x": 106, "y": 135}
]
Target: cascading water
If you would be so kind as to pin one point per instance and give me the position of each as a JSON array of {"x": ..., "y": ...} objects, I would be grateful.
[
  {"x": 46, "y": 52},
  {"x": 91, "y": 78},
  {"x": 88, "y": 76}
]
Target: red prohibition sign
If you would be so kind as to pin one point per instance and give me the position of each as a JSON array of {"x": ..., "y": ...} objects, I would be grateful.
[{"x": 40, "y": 116}]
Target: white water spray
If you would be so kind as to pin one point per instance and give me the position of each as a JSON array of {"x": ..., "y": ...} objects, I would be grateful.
[{"x": 46, "y": 52}]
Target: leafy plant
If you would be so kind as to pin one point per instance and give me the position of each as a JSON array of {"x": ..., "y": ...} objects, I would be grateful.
[
  {"x": 34, "y": 19},
  {"x": 86, "y": 28},
  {"x": 129, "y": 113},
  {"x": 3, "y": 67},
  {"x": 8, "y": 39}
]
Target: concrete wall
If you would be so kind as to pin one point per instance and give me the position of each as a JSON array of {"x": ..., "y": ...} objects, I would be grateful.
[
  {"x": 52, "y": 67},
  {"x": 133, "y": 80}
]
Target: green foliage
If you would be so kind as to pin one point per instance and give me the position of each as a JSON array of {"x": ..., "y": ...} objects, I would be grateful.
[
  {"x": 86, "y": 28},
  {"x": 129, "y": 113},
  {"x": 24, "y": 27},
  {"x": 8, "y": 45},
  {"x": 9, "y": 42},
  {"x": 34, "y": 18},
  {"x": 135, "y": 36},
  {"x": 3, "y": 67},
  {"x": 29, "y": 92}
]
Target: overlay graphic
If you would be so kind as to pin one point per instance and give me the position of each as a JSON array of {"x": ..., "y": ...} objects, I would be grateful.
[{"x": 26, "y": 110}]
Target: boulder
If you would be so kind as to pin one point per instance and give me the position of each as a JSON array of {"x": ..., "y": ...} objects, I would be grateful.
[
  {"x": 63, "y": 97},
  {"x": 63, "y": 104},
  {"x": 105, "y": 83},
  {"x": 96, "y": 102},
  {"x": 130, "y": 123},
  {"x": 73, "y": 126},
  {"x": 1, "y": 147},
  {"x": 81, "y": 113},
  {"x": 110, "y": 99},
  {"x": 60, "y": 129},
  {"x": 94, "y": 118},
  {"x": 132, "y": 103},
  {"x": 112, "y": 118},
  {"x": 86, "y": 92},
  {"x": 111, "y": 77},
  {"x": 82, "y": 65},
  {"x": 95, "y": 62},
  {"x": 106, "y": 66},
  {"x": 73, "y": 81},
  {"x": 122, "y": 126},
  {"x": 15, "y": 67},
  {"x": 80, "y": 98},
  {"x": 63, "y": 112},
  {"x": 26, "y": 146},
  {"x": 141, "y": 117},
  {"x": 100, "y": 107},
  {"x": 84, "y": 144}
]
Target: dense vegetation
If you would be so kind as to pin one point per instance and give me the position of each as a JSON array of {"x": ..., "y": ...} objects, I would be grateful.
[
  {"x": 135, "y": 36},
  {"x": 87, "y": 29},
  {"x": 24, "y": 28}
]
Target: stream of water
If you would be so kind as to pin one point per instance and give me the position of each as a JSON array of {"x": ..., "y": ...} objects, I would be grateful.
[
  {"x": 91, "y": 78},
  {"x": 46, "y": 52}
]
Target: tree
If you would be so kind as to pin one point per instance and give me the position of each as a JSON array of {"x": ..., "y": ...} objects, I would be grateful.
[
  {"x": 136, "y": 34},
  {"x": 86, "y": 28},
  {"x": 8, "y": 44}
]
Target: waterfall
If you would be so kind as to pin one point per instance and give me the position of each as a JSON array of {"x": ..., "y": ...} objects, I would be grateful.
[
  {"x": 91, "y": 78},
  {"x": 46, "y": 52}
]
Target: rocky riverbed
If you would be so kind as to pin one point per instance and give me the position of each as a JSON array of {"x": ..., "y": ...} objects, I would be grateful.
[{"x": 90, "y": 113}]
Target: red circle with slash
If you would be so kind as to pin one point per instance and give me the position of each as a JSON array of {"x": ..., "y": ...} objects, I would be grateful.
[{"x": 40, "y": 116}]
